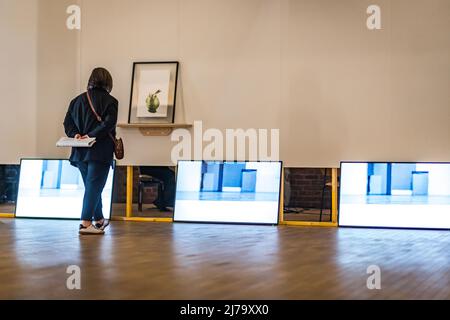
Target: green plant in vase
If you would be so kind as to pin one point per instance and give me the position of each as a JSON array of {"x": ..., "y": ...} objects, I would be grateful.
[{"x": 152, "y": 102}]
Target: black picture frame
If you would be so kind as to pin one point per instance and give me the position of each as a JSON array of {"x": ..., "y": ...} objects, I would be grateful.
[{"x": 169, "y": 119}]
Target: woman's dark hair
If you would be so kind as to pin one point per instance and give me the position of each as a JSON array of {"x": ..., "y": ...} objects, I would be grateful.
[{"x": 100, "y": 78}]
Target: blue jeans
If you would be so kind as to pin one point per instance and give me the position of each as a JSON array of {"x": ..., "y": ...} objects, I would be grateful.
[{"x": 94, "y": 176}]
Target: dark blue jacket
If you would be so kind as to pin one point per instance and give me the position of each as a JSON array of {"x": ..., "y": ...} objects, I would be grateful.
[{"x": 81, "y": 120}]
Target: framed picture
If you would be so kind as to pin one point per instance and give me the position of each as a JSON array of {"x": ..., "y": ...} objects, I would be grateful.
[{"x": 153, "y": 92}]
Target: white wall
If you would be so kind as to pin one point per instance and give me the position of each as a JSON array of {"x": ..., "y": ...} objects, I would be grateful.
[
  {"x": 189, "y": 176},
  {"x": 336, "y": 90},
  {"x": 311, "y": 68},
  {"x": 354, "y": 178},
  {"x": 31, "y": 175},
  {"x": 267, "y": 176},
  {"x": 438, "y": 179},
  {"x": 57, "y": 75},
  {"x": 39, "y": 68},
  {"x": 18, "y": 55}
]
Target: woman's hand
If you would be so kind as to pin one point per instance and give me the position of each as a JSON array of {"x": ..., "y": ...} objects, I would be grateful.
[
  {"x": 84, "y": 137},
  {"x": 77, "y": 136}
]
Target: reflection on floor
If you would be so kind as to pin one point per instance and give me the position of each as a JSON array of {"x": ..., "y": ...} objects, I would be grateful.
[
  {"x": 375, "y": 199},
  {"x": 196, "y": 261}
]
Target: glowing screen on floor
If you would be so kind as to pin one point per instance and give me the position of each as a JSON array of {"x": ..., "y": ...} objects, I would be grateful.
[
  {"x": 396, "y": 195},
  {"x": 55, "y": 189},
  {"x": 229, "y": 192}
]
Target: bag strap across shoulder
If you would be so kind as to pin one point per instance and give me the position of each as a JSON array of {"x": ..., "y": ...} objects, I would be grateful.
[{"x": 99, "y": 119}]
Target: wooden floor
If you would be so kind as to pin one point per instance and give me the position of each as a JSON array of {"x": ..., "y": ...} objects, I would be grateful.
[{"x": 195, "y": 261}]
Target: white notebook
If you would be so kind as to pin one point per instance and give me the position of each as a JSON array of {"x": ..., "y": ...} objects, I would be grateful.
[{"x": 79, "y": 143}]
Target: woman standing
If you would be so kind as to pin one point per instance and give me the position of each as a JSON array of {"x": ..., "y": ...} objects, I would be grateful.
[{"x": 81, "y": 122}]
